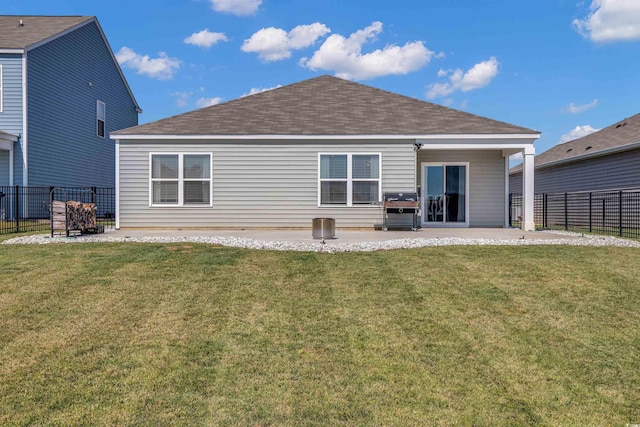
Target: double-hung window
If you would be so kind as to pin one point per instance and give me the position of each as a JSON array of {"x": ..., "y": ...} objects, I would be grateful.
[
  {"x": 349, "y": 179},
  {"x": 180, "y": 180},
  {"x": 101, "y": 116}
]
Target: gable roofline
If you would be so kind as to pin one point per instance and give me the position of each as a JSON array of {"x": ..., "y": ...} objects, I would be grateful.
[
  {"x": 115, "y": 61},
  {"x": 87, "y": 21},
  {"x": 60, "y": 34}
]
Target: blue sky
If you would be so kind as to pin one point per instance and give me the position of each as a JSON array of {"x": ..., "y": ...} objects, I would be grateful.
[{"x": 561, "y": 67}]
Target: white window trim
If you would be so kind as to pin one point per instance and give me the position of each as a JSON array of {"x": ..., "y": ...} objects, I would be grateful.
[
  {"x": 350, "y": 180},
  {"x": 181, "y": 180},
  {"x": 1, "y": 90},
  {"x": 104, "y": 119}
]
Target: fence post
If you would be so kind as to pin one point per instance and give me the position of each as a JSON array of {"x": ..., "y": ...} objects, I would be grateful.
[
  {"x": 544, "y": 210},
  {"x": 590, "y": 212},
  {"x": 17, "y": 204},
  {"x": 566, "y": 212},
  {"x": 510, "y": 207},
  {"x": 620, "y": 213},
  {"x": 94, "y": 191}
]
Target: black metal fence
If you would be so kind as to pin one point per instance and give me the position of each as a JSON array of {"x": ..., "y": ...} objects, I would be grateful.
[
  {"x": 602, "y": 212},
  {"x": 24, "y": 209}
]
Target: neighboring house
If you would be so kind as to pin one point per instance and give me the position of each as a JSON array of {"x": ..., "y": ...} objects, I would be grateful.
[
  {"x": 61, "y": 93},
  {"x": 605, "y": 160},
  {"x": 324, "y": 147}
]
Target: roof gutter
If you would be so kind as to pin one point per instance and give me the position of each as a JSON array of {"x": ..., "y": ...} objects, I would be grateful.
[{"x": 326, "y": 137}]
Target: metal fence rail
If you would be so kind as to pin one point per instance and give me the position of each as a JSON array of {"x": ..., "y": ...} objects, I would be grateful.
[
  {"x": 602, "y": 212},
  {"x": 24, "y": 209}
]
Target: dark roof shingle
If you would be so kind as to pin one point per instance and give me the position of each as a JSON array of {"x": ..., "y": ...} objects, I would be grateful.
[
  {"x": 618, "y": 135},
  {"x": 325, "y": 105},
  {"x": 34, "y": 29}
]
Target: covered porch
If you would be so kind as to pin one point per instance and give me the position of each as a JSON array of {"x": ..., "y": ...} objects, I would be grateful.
[{"x": 465, "y": 182}]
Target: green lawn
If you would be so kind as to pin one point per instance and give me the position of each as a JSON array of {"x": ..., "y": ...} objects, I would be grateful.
[{"x": 157, "y": 334}]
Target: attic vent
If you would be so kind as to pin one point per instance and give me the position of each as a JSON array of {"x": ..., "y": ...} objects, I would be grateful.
[
  {"x": 622, "y": 124},
  {"x": 588, "y": 147},
  {"x": 569, "y": 150}
]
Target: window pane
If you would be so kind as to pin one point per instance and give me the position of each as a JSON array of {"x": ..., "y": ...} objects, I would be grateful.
[
  {"x": 101, "y": 111},
  {"x": 100, "y": 128},
  {"x": 196, "y": 193},
  {"x": 365, "y": 192},
  {"x": 196, "y": 166},
  {"x": 333, "y": 193},
  {"x": 165, "y": 192},
  {"x": 456, "y": 182},
  {"x": 164, "y": 166},
  {"x": 365, "y": 166},
  {"x": 333, "y": 166}
]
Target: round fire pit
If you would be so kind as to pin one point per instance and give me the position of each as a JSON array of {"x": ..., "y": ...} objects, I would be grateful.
[{"x": 323, "y": 228}]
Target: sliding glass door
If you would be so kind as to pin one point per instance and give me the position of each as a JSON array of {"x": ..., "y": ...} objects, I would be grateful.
[{"x": 444, "y": 194}]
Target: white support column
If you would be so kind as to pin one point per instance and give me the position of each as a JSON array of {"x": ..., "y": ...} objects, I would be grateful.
[
  {"x": 528, "y": 222},
  {"x": 506, "y": 191}
]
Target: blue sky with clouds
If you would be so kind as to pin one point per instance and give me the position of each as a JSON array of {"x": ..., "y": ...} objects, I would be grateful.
[{"x": 561, "y": 67}]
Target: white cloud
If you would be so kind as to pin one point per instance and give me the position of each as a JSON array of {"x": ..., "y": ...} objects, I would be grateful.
[
  {"x": 274, "y": 44},
  {"x": 205, "y": 38},
  {"x": 611, "y": 20},
  {"x": 183, "y": 98},
  {"x": 207, "y": 102},
  {"x": 577, "y": 132},
  {"x": 516, "y": 157},
  {"x": 575, "y": 109},
  {"x": 344, "y": 56},
  {"x": 161, "y": 68},
  {"x": 255, "y": 90},
  {"x": 479, "y": 76},
  {"x": 236, "y": 7}
]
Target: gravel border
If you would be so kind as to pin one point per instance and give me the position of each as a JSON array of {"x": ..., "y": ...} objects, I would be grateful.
[{"x": 243, "y": 242}]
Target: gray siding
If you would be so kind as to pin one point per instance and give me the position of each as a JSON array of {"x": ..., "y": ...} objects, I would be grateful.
[
  {"x": 65, "y": 79},
  {"x": 486, "y": 182},
  {"x": 515, "y": 182},
  {"x": 11, "y": 115},
  {"x": 258, "y": 183},
  {"x": 616, "y": 171}
]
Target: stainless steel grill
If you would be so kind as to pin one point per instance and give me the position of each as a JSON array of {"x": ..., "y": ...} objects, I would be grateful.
[{"x": 402, "y": 204}]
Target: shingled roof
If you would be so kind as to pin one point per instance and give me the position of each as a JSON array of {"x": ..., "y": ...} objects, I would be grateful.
[
  {"x": 34, "y": 29},
  {"x": 625, "y": 133},
  {"x": 325, "y": 105}
]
